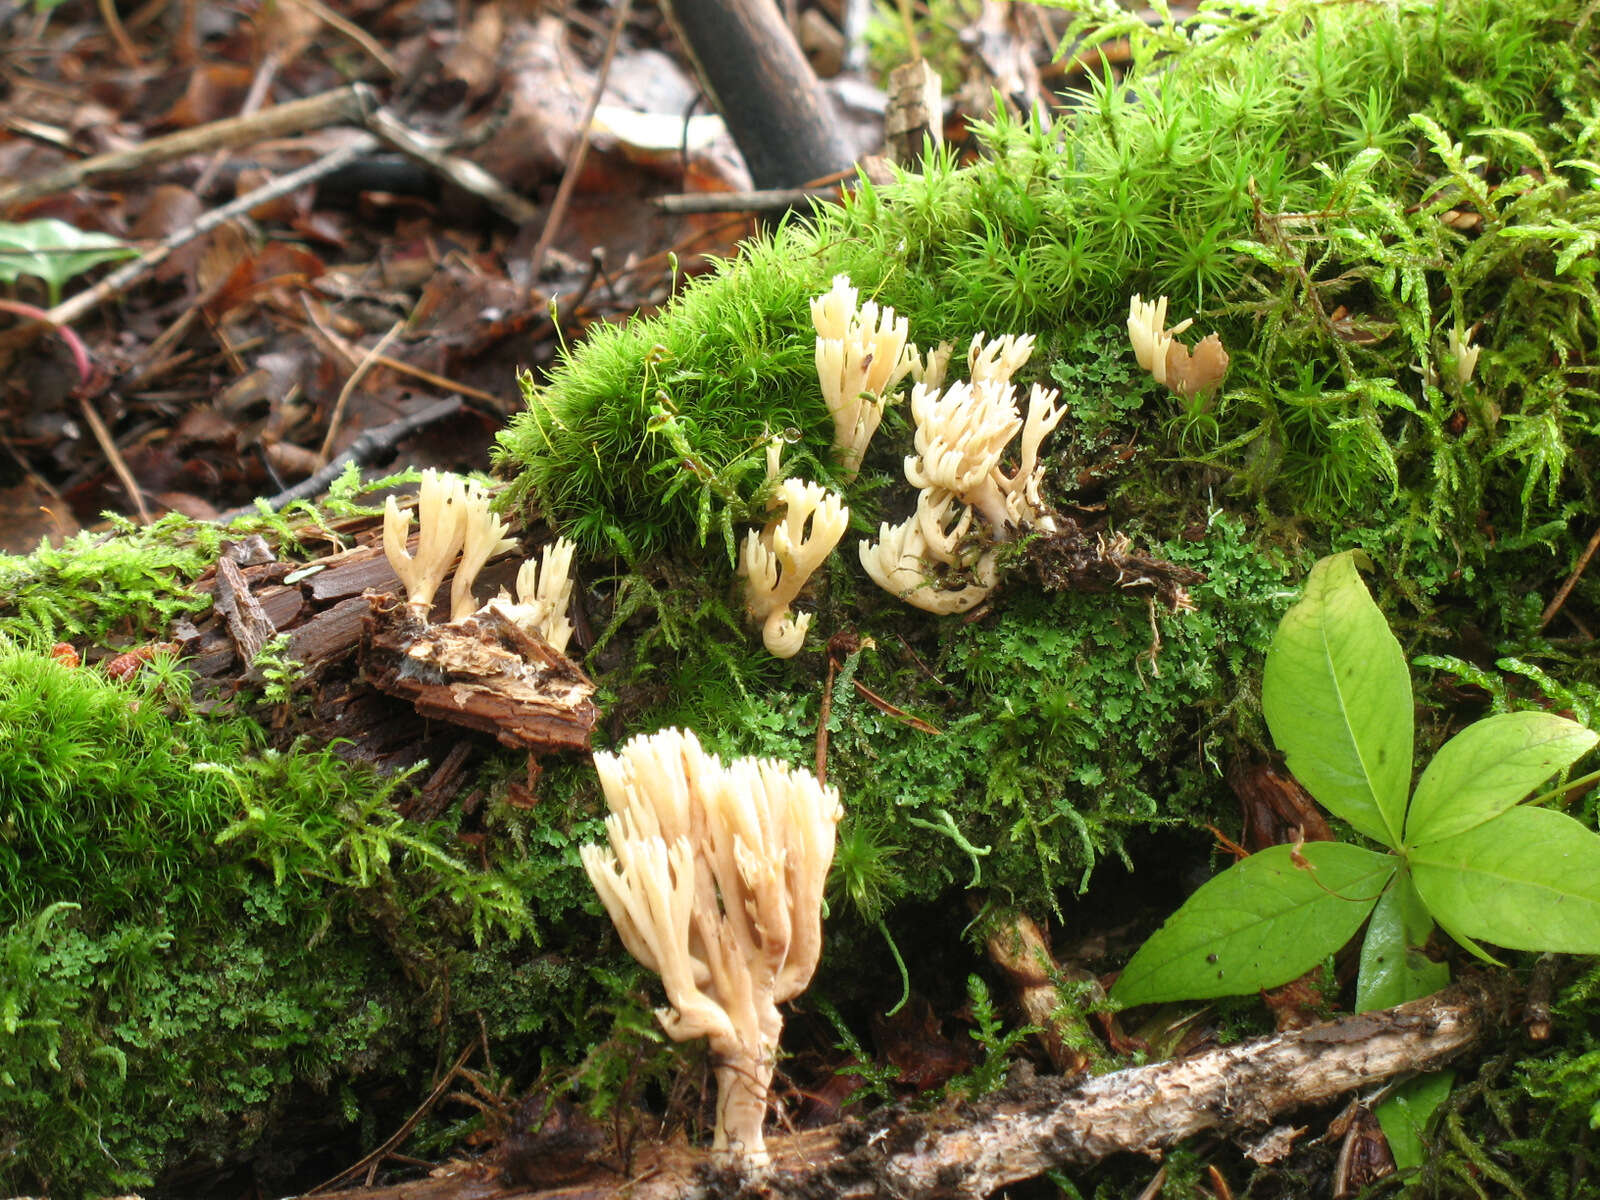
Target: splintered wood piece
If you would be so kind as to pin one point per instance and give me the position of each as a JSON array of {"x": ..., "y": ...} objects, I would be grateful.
[
  {"x": 915, "y": 112},
  {"x": 484, "y": 672},
  {"x": 1017, "y": 946},
  {"x": 248, "y": 625}
]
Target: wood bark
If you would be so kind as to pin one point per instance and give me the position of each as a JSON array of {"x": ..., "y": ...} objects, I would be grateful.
[
  {"x": 971, "y": 1150},
  {"x": 484, "y": 672},
  {"x": 754, "y": 70}
]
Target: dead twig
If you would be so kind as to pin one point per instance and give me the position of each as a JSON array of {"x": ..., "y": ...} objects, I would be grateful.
[
  {"x": 260, "y": 87},
  {"x": 468, "y": 176},
  {"x": 124, "y": 277},
  {"x": 345, "y": 106},
  {"x": 354, "y": 105},
  {"x": 580, "y": 147},
  {"x": 353, "y": 355},
  {"x": 363, "y": 450},
  {"x": 108, "y": 447},
  {"x": 349, "y": 30},
  {"x": 974, "y": 1150},
  {"x": 362, "y": 369},
  {"x": 125, "y": 47},
  {"x": 377, "y": 1156},
  {"x": 1560, "y": 597},
  {"x": 762, "y": 200}
]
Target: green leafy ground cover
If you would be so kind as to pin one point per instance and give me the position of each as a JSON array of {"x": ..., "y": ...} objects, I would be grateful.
[
  {"x": 1346, "y": 194},
  {"x": 1285, "y": 176},
  {"x": 1342, "y": 192}
]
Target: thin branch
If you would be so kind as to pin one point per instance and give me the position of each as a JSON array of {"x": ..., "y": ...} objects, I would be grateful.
[
  {"x": 759, "y": 201},
  {"x": 363, "y": 450},
  {"x": 124, "y": 277},
  {"x": 1572, "y": 581},
  {"x": 108, "y": 446},
  {"x": 353, "y": 32},
  {"x": 580, "y": 148},
  {"x": 362, "y": 369},
  {"x": 345, "y": 106}
]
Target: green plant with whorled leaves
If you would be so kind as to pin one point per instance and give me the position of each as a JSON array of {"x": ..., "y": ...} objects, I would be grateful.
[{"x": 1461, "y": 849}]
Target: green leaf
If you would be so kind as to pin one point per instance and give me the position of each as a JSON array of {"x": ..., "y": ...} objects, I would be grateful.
[
  {"x": 1404, "y": 1115},
  {"x": 54, "y": 251},
  {"x": 1527, "y": 880},
  {"x": 1337, "y": 697},
  {"x": 1264, "y": 921},
  {"x": 1488, "y": 767},
  {"x": 1394, "y": 968}
]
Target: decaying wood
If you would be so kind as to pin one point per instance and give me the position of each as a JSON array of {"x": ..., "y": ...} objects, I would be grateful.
[
  {"x": 484, "y": 672},
  {"x": 1017, "y": 946},
  {"x": 248, "y": 623},
  {"x": 971, "y": 1150},
  {"x": 915, "y": 116},
  {"x": 751, "y": 65},
  {"x": 1069, "y": 560}
]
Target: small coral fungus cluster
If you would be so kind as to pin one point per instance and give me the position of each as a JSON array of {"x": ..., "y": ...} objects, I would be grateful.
[
  {"x": 714, "y": 880},
  {"x": 943, "y": 557},
  {"x": 453, "y": 519}
]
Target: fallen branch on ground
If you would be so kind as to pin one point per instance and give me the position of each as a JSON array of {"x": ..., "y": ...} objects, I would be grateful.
[{"x": 973, "y": 1149}]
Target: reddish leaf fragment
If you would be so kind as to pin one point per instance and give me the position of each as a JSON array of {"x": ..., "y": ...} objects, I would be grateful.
[{"x": 126, "y": 666}]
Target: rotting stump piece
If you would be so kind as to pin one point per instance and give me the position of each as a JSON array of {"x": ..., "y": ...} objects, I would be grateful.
[{"x": 484, "y": 672}]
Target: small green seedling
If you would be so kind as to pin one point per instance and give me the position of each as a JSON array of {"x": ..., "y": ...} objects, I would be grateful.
[
  {"x": 1463, "y": 850},
  {"x": 55, "y": 252}
]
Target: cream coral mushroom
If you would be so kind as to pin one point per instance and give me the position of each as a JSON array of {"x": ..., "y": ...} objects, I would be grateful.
[
  {"x": 776, "y": 561},
  {"x": 930, "y": 370},
  {"x": 441, "y": 519},
  {"x": 861, "y": 355},
  {"x": 544, "y": 592},
  {"x": 998, "y": 359},
  {"x": 962, "y": 433},
  {"x": 484, "y": 536},
  {"x": 912, "y": 559},
  {"x": 1465, "y": 355},
  {"x": 1168, "y": 360},
  {"x": 714, "y": 880},
  {"x": 935, "y": 560},
  {"x": 1151, "y": 338}
]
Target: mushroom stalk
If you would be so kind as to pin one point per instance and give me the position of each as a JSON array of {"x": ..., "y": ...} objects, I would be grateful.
[{"x": 714, "y": 879}]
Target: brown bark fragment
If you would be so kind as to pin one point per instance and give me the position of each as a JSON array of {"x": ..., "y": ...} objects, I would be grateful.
[
  {"x": 483, "y": 672},
  {"x": 248, "y": 625},
  {"x": 1017, "y": 946}
]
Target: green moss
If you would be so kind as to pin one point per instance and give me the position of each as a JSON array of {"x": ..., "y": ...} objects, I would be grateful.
[
  {"x": 133, "y": 578},
  {"x": 1305, "y": 181},
  {"x": 1263, "y": 173},
  {"x": 198, "y": 934},
  {"x": 93, "y": 585}
]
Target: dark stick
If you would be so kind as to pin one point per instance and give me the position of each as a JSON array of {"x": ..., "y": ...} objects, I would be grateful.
[
  {"x": 767, "y": 200},
  {"x": 362, "y": 450},
  {"x": 1572, "y": 581},
  {"x": 753, "y": 68}
]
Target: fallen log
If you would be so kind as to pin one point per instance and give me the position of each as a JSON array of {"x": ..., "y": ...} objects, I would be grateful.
[{"x": 967, "y": 1151}]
